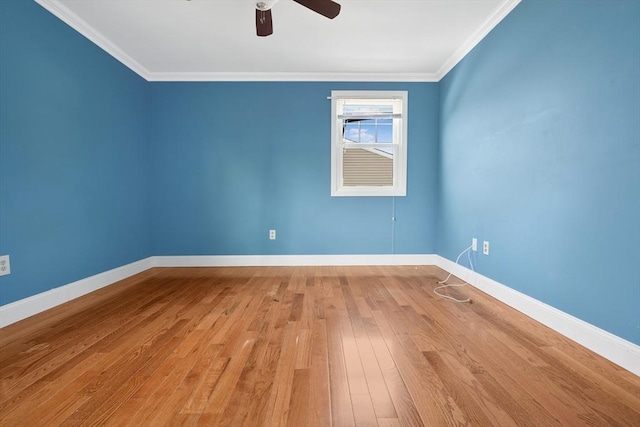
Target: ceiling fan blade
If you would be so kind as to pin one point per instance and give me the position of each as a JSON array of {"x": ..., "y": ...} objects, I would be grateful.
[
  {"x": 264, "y": 23},
  {"x": 327, "y": 8}
]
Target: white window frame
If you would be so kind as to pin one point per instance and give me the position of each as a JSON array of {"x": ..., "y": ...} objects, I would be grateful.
[{"x": 399, "y": 187}]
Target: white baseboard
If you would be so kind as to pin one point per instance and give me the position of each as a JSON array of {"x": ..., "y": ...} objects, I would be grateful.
[
  {"x": 607, "y": 345},
  {"x": 290, "y": 260},
  {"x": 27, "y": 307}
]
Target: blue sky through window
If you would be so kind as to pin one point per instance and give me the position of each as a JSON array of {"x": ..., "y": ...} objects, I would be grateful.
[
  {"x": 368, "y": 124},
  {"x": 369, "y": 131}
]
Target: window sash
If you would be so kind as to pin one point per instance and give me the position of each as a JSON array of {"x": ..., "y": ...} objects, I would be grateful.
[
  {"x": 368, "y": 116},
  {"x": 368, "y": 145}
]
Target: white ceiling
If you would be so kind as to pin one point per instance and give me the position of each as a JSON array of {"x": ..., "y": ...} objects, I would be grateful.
[{"x": 215, "y": 40}]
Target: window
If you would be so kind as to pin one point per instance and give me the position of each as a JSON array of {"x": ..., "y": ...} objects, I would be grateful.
[{"x": 368, "y": 143}]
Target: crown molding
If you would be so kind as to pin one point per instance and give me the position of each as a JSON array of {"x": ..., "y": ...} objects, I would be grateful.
[
  {"x": 74, "y": 21},
  {"x": 473, "y": 41},
  {"x": 290, "y": 77}
]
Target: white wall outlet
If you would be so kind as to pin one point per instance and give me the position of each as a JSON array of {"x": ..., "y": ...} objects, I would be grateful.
[
  {"x": 272, "y": 234},
  {"x": 5, "y": 265},
  {"x": 485, "y": 248},
  {"x": 474, "y": 244}
]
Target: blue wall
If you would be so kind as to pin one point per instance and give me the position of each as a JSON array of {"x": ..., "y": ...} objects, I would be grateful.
[
  {"x": 540, "y": 155},
  {"x": 232, "y": 160},
  {"x": 73, "y": 155}
]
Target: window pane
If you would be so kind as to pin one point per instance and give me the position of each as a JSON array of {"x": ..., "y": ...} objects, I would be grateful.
[
  {"x": 367, "y": 167},
  {"x": 351, "y": 131},
  {"x": 385, "y": 131},
  {"x": 368, "y": 131}
]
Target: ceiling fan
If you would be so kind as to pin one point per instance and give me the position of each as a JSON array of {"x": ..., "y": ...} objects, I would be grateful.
[{"x": 264, "y": 23}]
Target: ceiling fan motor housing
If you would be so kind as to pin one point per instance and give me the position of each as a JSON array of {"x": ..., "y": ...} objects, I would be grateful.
[
  {"x": 264, "y": 21},
  {"x": 265, "y": 4}
]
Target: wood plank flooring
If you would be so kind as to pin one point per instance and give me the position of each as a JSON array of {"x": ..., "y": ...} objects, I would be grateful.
[{"x": 300, "y": 346}]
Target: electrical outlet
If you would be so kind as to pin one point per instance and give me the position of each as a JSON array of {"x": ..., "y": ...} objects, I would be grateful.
[
  {"x": 272, "y": 234},
  {"x": 5, "y": 266},
  {"x": 485, "y": 248},
  {"x": 474, "y": 244}
]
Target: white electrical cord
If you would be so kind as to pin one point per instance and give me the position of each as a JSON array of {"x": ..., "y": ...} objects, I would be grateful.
[
  {"x": 393, "y": 225},
  {"x": 444, "y": 283}
]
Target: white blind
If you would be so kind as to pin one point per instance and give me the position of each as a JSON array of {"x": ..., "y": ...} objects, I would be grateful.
[
  {"x": 355, "y": 108},
  {"x": 366, "y": 168}
]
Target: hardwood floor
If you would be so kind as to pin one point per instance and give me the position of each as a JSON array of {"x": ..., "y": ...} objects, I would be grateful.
[{"x": 300, "y": 346}]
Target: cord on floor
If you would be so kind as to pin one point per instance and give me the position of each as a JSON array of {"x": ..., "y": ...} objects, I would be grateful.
[{"x": 444, "y": 283}]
